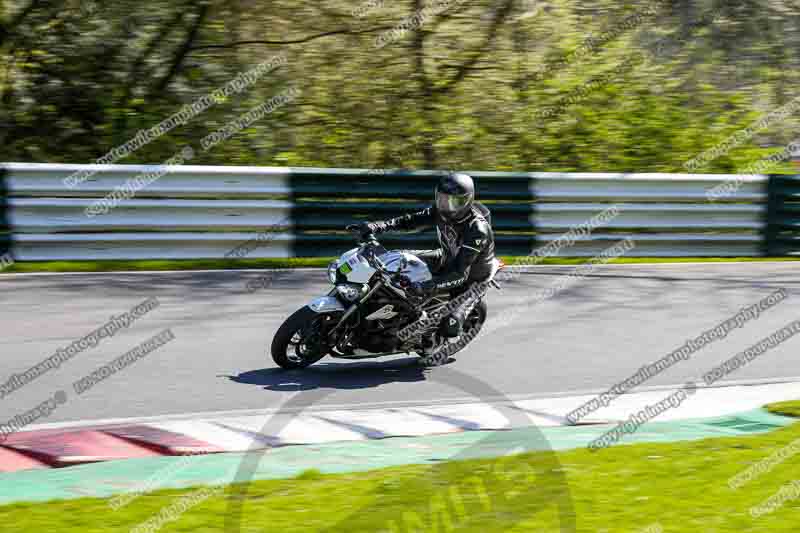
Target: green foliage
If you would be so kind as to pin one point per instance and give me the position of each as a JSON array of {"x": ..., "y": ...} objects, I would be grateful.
[{"x": 462, "y": 90}]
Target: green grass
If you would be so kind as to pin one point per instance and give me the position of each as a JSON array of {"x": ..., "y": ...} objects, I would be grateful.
[
  {"x": 785, "y": 408},
  {"x": 645, "y": 260},
  {"x": 682, "y": 486},
  {"x": 224, "y": 264},
  {"x": 161, "y": 265}
]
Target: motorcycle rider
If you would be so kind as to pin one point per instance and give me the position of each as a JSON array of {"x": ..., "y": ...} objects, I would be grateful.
[{"x": 466, "y": 240}]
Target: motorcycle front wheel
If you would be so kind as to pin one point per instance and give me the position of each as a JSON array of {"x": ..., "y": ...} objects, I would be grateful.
[{"x": 298, "y": 343}]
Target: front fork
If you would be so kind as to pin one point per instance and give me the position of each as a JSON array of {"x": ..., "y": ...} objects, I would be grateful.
[{"x": 330, "y": 303}]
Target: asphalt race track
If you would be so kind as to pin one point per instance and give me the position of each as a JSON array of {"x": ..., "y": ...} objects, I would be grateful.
[{"x": 600, "y": 330}]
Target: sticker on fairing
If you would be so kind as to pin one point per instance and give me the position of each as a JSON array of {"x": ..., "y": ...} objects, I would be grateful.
[{"x": 345, "y": 268}]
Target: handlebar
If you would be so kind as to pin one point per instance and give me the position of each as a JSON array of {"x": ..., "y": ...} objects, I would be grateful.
[
  {"x": 373, "y": 259},
  {"x": 369, "y": 245}
]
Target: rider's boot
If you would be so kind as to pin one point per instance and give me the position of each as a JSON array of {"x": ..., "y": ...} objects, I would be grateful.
[
  {"x": 428, "y": 343},
  {"x": 433, "y": 354},
  {"x": 452, "y": 326}
]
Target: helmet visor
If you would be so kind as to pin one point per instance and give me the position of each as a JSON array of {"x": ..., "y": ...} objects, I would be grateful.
[{"x": 451, "y": 205}]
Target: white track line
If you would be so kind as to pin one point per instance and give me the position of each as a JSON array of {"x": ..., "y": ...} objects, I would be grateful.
[{"x": 524, "y": 399}]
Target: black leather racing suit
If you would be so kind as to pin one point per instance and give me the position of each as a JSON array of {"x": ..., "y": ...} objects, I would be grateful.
[{"x": 466, "y": 253}]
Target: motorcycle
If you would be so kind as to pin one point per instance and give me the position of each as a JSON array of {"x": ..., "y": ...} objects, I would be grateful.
[{"x": 371, "y": 310}]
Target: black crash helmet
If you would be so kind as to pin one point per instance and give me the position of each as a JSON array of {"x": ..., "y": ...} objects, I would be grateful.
[{"x": 454, "y": 196}]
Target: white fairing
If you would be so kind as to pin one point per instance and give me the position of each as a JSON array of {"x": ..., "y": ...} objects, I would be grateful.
[
  {"x": 416, "y": 269},
  {"x": 326, "y": 304},
  {"x": 361, "y": 271}
]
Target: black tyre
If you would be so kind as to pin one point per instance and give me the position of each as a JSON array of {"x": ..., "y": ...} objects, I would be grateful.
[{"x": 297, "y": 343}]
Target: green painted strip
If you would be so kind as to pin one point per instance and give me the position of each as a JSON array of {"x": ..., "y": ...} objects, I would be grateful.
[
  {"x": 326, "y": 245},
  {"x": 117, "y": 477},
  {"x": 319, "y": 217},
  {"x": 790, "y": 209},
  {"x": 388, "y": 183},
  {"x": 780, "y": 190},
  {"x": 335, "y": 215}
]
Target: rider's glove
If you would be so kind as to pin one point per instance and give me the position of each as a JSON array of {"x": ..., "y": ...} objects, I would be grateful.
[{"x": 364, "y": 229}]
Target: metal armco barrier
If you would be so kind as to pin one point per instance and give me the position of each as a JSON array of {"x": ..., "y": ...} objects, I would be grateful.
[
  {"x": 205, "y": 212},
  {"x": 5, "y": 229}
]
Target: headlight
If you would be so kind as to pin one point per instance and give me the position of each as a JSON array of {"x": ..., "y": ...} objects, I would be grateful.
[
  {"x": 332, "y": 271},
  {"x": 350, "y": 292}
]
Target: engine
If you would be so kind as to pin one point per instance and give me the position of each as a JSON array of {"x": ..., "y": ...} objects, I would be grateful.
[
  {"x": 379, "y": 335},
  {"x": 388, "y": 311}
]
